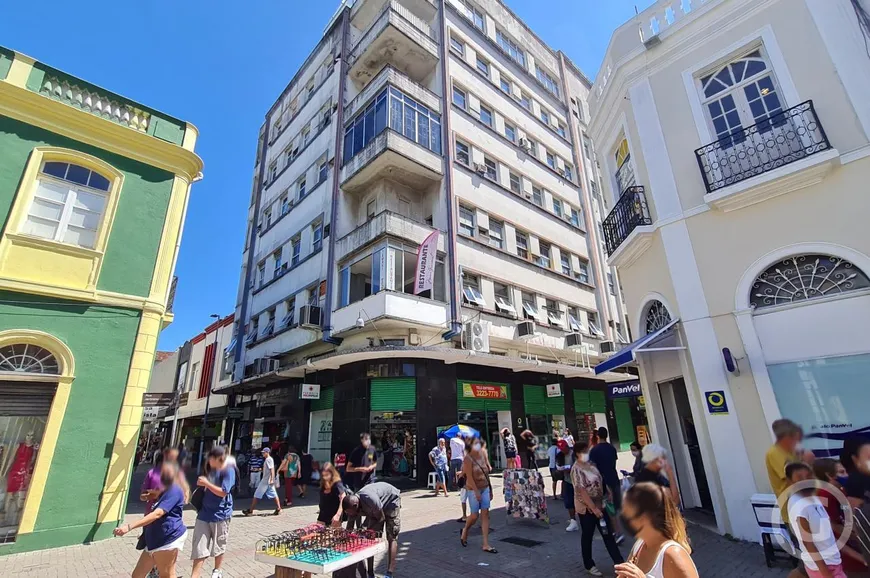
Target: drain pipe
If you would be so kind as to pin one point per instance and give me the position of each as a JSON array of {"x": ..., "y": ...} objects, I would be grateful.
[
  {"x": 239, "y": 351},
  {"x": 336, "y": 179},
  {"x": 455, "y": 324}
]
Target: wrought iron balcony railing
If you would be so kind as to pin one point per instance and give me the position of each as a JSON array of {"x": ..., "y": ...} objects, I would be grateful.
[
  {"x": 629, "y": 213},
  {"x": 781, "y": 139}
]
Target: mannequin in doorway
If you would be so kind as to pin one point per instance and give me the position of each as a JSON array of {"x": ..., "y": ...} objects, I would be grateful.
[{"x": 18, "y": 474}]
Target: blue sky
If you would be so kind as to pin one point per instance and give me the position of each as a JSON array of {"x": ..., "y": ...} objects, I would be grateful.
[{"x": 220, "y": 65}]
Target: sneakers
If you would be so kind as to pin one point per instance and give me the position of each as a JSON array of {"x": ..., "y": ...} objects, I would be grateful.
[
  {"x": 620, "y": 538},
  {"x": 573, "y": 526},
  {"x": 217, "y": 574},
  {"x": 247, "y": 512},
  {"x": 594, "y": 572}
]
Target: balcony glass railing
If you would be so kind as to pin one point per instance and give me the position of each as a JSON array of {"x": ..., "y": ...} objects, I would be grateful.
[
  {"x": 629, "y": 213},
  {"x": 781, "y": 139}
]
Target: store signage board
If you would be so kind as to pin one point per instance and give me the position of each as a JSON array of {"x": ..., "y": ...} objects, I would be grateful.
[
  {"x": 716, "y": 403},
  {"x": 310, "y": 391},
  {"x": 624, "y": 389},
  {"x": 554, "y": 390},
  {"x": 484, "y": 391}
]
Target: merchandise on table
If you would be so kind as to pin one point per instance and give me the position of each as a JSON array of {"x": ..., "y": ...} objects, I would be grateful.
[
  {"x": 316, "y": 544},
  {"x": 524, "y": 494}
]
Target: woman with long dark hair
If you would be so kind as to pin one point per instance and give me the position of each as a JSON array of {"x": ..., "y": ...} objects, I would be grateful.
[
  {"x": 662, "y": 548},
  {"x": 165, "y": 532},
  {"x": 332, "y": 492}
]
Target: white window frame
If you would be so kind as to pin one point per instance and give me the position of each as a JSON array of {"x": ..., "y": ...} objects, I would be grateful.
[
  {"x": 67, "y": 206},
  {"x": 503, "y": 303},
  {"x": 467, "y": 152},
  {"x": 496, "y": 233},
  {"x": 295, "y": 250},
  {"x": 574, "y": 320},
  {"x": 471, "y": 290},
  {"x": 530, "y": 307},
  {"x": 316, "y": 236},
  {"x": 470, "y": 218},
  {"x": 457, "y": 46},
  {"x": 525, "y": 247},
  {"x": 290, "y": 316},
  {"x": 554, "y": 314}
]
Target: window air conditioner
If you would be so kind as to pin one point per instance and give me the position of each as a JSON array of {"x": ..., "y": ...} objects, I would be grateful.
[
  {"x": 526, "y": 329},
  {"x": 265, "y": 365},
  {"x": 311, "y": 316},
  {"x": 480, "y": 168},
  {"x": 573, "y": 341},
  {"x": 475, "y": 336},
  {"x": 607, "y": 347}
]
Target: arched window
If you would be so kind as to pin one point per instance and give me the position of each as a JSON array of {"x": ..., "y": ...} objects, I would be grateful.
[
  {"x": 28, "y": 358},
  {"x": 657, "y": 316},
  {"x": 807, "y": 276},
  {"x": 68, "y": 204}
]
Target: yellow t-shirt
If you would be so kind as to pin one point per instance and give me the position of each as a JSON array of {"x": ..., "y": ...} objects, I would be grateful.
[{"x": 776, "y": 460}]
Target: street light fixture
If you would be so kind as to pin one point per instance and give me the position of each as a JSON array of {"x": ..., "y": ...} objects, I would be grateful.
[{"x": 207, "y": 399}]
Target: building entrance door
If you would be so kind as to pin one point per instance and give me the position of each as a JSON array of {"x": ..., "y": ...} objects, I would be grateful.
[{"x": 683, "y": 437}]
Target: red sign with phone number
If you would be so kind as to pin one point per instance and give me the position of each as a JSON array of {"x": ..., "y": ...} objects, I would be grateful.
[{"x": 484, "y": 391}]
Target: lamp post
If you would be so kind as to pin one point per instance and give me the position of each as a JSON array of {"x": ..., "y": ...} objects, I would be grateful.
[{"x": 207, "y": 397}]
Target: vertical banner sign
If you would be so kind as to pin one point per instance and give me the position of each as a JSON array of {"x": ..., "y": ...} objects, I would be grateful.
[{"x": 426, "y": 264}]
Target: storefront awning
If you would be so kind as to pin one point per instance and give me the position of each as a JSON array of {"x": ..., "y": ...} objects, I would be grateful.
[{"x": 627, "y": 354}]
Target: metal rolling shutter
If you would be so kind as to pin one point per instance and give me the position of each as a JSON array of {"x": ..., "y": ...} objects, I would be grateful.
[
  {"x": 394, "y": 394},
  {"x": 19, "y": 398},
  {"x": 327, "y": 396},
  {"x": 537, "y": 402},
  {"x": 586, "y": 401},
  {"x": 482, "y": 404},
  {"x": 624, "y": 424}
]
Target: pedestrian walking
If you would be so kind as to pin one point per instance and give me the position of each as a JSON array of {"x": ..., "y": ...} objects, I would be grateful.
[
  {"x": 267, "y": 488},
  {"x": 476, "y": 469},
  {"x": 332, "y": 493},
  {"x": 148, "y": 493},
  {"x": 306, "y": 469},
  {"x": 589, "y": 491},
  {"x": 531, "y": 443},
  {"x": 810, "y": 523},
  {"x": 568, "y": 487},
  {"x": 381, "y": 504},
  {"x": 438, "y": 459},
  {"x": 457, "y": 454},
  {"x": 510, "y": 449},
  {"x": 255, "y": 469},
  {"x": 463, "y": 495},
  {"x": 552, "y": 452},
  {"x": 212, "y": 528},
  {"x": 569, "y": 439},
  {"x": 604, "y": 456},
  {"x": 362, "y": 463},
  {"x": 658, "y": 470},
  {"x": 290, "y": 468},
  {"x": 662, "y": 547},
  {"x": 832, "y": 472},
  {"x": 165, "y": 531}
]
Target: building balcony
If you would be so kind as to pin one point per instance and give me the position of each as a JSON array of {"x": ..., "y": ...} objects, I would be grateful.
[
  {"x": 389, "y": 76},
  {"x": 783, "y": 153},
  {"x": 396, "y": 37},
  {"x": 391, "y": 155},
  {"x": 364, "y": 11},
  {"x": 403, "y": 308},
  {"x": 383, "y": 224},
  {"x": 628, "y": 227}
]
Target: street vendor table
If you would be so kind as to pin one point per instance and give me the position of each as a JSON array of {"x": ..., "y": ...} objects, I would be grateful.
[{"x": 317, "y": 550}]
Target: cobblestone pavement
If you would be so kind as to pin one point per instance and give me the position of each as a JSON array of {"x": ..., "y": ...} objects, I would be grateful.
[{"x": 429, "y": 547}]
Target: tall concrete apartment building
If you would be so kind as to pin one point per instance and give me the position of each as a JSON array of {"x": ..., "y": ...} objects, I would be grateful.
[{"x": 420, "y": 131}]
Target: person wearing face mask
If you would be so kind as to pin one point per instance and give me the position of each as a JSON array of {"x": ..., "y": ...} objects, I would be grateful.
[
  {"x": 362, "y": 463},
  {"x": 476, "y": 469},
  {"x": 658, "y": 470},
  {"x": 165, "y": 532},
  {"x": 662, "y": 547},
  {"x": 637, "y": 452},
  {"x": 786, "y": 450},
  {"x": 589, "y": 491},
  {"x": 831, "y": 498},
  {"x": 855, "y": 457}
]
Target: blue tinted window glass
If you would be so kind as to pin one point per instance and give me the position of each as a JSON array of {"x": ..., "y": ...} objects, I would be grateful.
[
  {"x": 78, "y": 174},
  {"x": 98, "y": 181},
  {"x": 436, "y": 136},
  {"x": 396, "y": 114},
  {"x": 380, "y": 116},
  {"x": 55, "y": 169}
]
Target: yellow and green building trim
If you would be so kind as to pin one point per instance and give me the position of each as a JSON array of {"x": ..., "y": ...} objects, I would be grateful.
[{"x": 86, "y": 265}]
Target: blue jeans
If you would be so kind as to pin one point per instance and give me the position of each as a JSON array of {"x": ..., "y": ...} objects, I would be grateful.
[
  {"x": 483, "y": 503},
  {"x": 441, "y": 475},
  {"x": 455, "y": 468}
]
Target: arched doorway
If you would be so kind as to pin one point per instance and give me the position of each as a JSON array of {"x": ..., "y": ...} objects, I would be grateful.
[{"x": 32, "y": 366}]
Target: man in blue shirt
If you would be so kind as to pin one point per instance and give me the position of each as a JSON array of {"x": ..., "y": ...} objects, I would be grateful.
[{"x": 213, "y": 520}]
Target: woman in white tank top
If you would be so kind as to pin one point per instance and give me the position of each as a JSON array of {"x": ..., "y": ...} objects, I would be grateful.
[{"x": 662, "y": 549}]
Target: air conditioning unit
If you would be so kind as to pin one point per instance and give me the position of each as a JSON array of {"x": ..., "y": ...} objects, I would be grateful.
[
  {"x": 607, "y": 347},
  {"x": 526, "y": 329},
  {"x": 573, "y": 341},
  {"x": 652, "y": 41},
  {"x": 524, "y": 142},
  {"x": 265, "y": 365},
  {"x": 475, "y": 336},
  {"x": 480, "y": 168},
  {"x": 311, "y": 316}
]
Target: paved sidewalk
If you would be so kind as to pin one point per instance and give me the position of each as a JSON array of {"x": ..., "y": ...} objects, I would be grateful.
[{"x": 429, "y": 547}]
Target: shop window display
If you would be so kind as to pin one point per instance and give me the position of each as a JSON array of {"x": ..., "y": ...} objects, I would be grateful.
[
  {"x": 394, "y": 435},
  {"x": 20, "y": 437}
]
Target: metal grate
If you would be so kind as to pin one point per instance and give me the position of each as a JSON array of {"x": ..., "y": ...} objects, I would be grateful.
[{"x": 524, "y": 542}]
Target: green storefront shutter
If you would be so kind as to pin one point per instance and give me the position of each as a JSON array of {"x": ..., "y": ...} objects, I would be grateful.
[
  {"x": 482, "y": 404},
  {"x": 535, "y": 399},
  {"x": 394, "y": 394},
  {"x": 327, "y": 396},
  {"x": 624, "y": 424},
  {"x": 597, "y": 402}
]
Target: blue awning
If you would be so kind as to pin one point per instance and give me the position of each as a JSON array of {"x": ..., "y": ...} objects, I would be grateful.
[{"x": 627, "y": 354}]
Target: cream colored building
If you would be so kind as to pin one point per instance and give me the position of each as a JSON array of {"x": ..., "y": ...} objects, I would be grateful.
[{"x": 733, "y": 142}]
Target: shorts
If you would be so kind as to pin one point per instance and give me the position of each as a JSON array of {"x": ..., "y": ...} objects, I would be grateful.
[
  {"x": 482, "y": 504},
  {"x": 557, "y": 475},
  {"x": 463, "y": 496},
  {"x": 391, "y": 525},
  {"x": 175, "y": 545},
  {"x": 265, "y": 491},
  {"x": 441, "y": 475},
  {"x": 836, "y": 572},
  {"x": 255, "y": 479},
  {"x": 568, "y": 495},
  {"x": 209, "y": 539}
]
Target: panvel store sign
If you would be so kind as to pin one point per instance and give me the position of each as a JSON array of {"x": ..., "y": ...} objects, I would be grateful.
[
  {"x": 624, "y": 389},
  {"x": 484, "y": 391}
]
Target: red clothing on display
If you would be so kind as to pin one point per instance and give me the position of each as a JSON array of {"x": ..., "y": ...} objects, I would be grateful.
[{"x": 19, "y": 473}]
